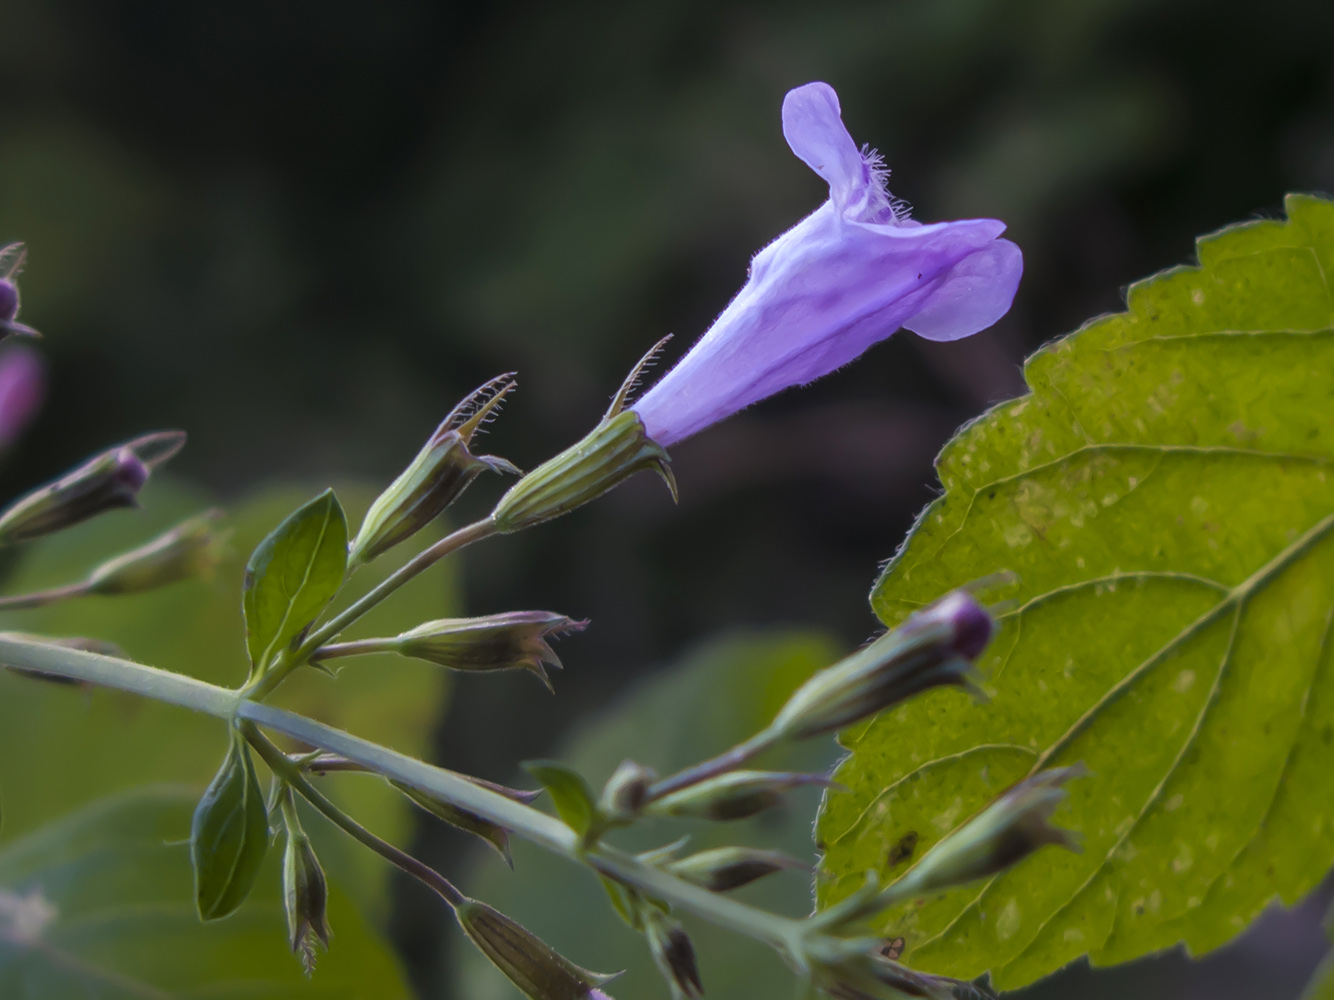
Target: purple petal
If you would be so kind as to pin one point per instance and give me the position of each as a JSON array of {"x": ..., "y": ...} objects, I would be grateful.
[
  {"x": 845, "y": 277},
  {"x": 973, "y": 295}
]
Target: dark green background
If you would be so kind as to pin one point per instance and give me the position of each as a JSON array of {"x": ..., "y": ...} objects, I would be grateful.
[{"x": 301, "y": 231}]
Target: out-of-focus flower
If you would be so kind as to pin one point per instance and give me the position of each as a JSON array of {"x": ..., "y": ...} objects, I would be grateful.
[
  {"x": 845, "y": 277},
  {"x": 22, "y": 387}
]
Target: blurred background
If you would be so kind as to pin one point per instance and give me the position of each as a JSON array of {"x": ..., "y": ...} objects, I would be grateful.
[{"x": 302, "y": 231}]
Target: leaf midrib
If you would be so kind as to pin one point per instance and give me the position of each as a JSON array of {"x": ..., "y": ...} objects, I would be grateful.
[{"x": 1234, "y": 600}]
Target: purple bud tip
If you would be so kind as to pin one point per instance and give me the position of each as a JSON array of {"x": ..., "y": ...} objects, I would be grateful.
[
  {"x": 130, "y": 472},
  {"x": 9, "y": 300},
  {"x": 971, "y": 624}
]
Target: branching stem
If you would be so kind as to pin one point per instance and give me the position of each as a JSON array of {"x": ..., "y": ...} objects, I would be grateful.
[{"x": 546, "y": 831}]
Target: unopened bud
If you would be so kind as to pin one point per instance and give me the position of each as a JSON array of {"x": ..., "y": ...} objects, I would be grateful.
[
  {"x": 725, "y": 868},
  {"x": 106, "y": 481},
  {"x": 627, "y": 789},
  {"x": 516, "y": 640},
  {"x": 859, "y": 969},
  {"x": 673, "y": 953},
  {"x": 192, "y": 548},
  {"x": 305, "y": 898},
  {"x": 734, "y": 795},
  {"x": 442, "y": 470},
  {"x": 11, "y": 262},
  {"x": 933, "y": 648},
  {"x": 613, "y": 451},
  {"x": 1003, "y": 834},
  {"x": 469, "y": 822},
  {"x": 538, "y": 970}
]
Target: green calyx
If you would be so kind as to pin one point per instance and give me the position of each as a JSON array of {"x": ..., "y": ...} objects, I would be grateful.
[{"x": 613, "y": 451}]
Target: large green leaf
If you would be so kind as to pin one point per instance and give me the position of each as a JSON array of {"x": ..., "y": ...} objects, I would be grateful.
[
  {"x": 61, "y": 747},
  {"x": 101, "y": 905},
  {"x": 1166, "y": 497},
  {"x": 292, "y": 575},
  {"x": 723, "y": 693}
]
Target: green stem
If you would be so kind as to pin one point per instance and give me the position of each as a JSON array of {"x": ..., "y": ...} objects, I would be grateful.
[
  {"x": 264, "y": 685},
  {"x": 354, "y": 648},
  {"x": 281, "y": 765},
  {"x": 727, "y": 761},
  {"x": 535, "y": 826},
  {"x": 43, "y": 598}
]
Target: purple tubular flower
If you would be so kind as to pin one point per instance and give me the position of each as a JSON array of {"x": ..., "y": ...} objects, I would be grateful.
[
  {"x": 22, "y": 386},
  {"x": 845, "y": 277}
]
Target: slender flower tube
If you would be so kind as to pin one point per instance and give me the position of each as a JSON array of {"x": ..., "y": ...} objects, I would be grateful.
[{"x": 847, "y": 276}]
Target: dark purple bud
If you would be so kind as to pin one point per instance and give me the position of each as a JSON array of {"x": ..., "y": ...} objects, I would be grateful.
[
  {"x": 130, "y": 473},
  {"x": 967, "y": 620}
]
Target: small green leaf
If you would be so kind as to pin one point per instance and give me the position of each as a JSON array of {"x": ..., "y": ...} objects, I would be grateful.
[
  {"x": 292, "y": 575},
  {"x": 229, "y": 835},
  {"x": 1165, "y": 495},
  {"x": 569, "y": 792}
]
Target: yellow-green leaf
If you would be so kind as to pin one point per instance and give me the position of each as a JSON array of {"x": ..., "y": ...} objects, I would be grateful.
[{"x": 1166, "y": 496}]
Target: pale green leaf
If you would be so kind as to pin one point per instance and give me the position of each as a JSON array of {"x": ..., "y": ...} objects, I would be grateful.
[
  {"x": 100, "y": 904},
  {"x": 292, "y": 575},
  {"x": 569, "y": 793},
  {"x": 1166, "y": 497},
  {"x": 229, "y": 834}
]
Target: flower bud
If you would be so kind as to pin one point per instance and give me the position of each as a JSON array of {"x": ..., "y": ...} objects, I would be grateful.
[
  {"x": 673, "y": 953},
  {"x": 515, "y": 640},
  {"x": 734, "y": 795},
  {"x": 469, "y": 822},
  {"x": 627, "y": 789},
  {"x": 1002, "y": 835},
  {"x": 613, "y": 451},
  {"x": 192, "y": 548},
  {"x": 859, "y": 969},
  {"x": 305, "y": 898},
  {"x": 106, "y": 481},
  {"x": 442, "y": 470},
  {"x": 527, "y": 961},
  {"x": 934, "y": 647},
  {"x": 11, "y": 262},
  {"x": 725, "y": 868}
]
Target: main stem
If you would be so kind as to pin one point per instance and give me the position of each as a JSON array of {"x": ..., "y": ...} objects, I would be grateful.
[{"x": 531, "y": 824}]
